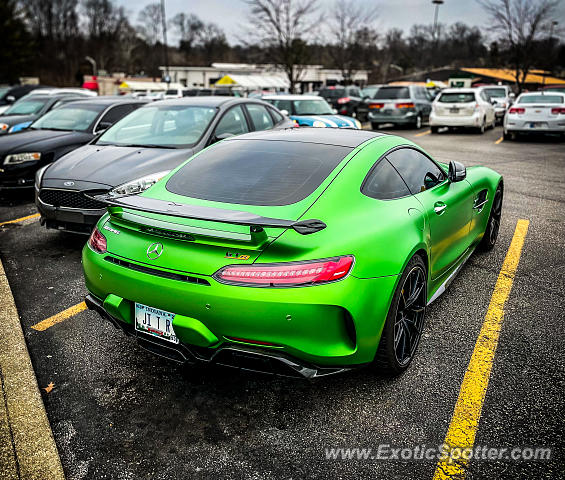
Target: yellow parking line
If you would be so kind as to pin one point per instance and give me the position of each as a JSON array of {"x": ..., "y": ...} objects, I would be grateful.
[
  {"x": 499, "y": 140},
  {"x": 460, "y": 436},
  {"x": 427, "y": 132},
  {"x": 18, "y": 220},
  {"x": 59, "y": 317}
]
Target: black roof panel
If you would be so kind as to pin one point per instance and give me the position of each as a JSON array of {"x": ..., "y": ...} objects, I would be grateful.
[{"x": 327, "y": 136}]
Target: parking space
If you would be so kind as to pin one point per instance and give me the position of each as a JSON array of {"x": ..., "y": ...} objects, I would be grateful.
[{"x": 117, "y": 411}]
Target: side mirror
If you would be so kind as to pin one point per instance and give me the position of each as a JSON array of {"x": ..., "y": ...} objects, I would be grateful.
[
  {"x": 512, "y": 96},
  {"x": 10, "y": 99},
  {"x": 457, "y": 172},
  {"x": 103, "y": 126},
  {"x": 221, "y": 136},
  {"x": 285, "y": 112},
  {"x": 334, "y": 110}
]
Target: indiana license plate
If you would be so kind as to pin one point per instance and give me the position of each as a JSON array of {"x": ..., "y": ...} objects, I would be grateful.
[{"x": 155, "y": 322}]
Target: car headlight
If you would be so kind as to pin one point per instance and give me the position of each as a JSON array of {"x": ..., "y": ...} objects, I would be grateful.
[
  {"x": 358, "y": 124},
  {"x": 39, "y": 175},
  {"x": 4, "y": 127},
  {"x": 16, "y": 158},
  {"x": 139, "y": 185}
]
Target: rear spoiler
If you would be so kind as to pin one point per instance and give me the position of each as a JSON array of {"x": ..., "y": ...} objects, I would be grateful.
[{"x": 196, "y": 212}]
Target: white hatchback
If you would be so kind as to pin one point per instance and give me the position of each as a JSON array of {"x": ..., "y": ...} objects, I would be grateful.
[
  {"x": 462, "y": 107},
  {"x": 536, "y": 112}
]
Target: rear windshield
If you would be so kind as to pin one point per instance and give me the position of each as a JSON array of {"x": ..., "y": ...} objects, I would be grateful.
[
  {"x": 541, "y": 99},
  {"x": 257, "y": 172},
  {"x": 332, "y": 92},
  {"x": 495, "y": 92},
  {"x": 463, "y": 97},
  {"x": 28, "y": 106},
  {"x": 390, "y": 93}
]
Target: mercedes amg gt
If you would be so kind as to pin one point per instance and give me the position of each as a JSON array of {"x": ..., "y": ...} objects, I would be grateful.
[{"x": 301, "y": 251}]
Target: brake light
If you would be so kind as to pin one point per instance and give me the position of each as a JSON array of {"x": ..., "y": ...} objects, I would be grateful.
[
  {"x": 376, "y": 105},
  {"x": 405, "y": 105},
  {"x": 287, "y": 274},
  {"x": 559, "y": 110},
  {"x": 517, "y": 110},
  {"x": 343, "y": 100},
  {"x": 97, "y": 241}
]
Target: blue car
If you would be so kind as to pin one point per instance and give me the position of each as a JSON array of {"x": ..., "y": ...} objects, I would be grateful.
[{"x": 311, "y": 111}]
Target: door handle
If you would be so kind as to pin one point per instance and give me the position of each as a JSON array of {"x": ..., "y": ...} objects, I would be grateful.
[{"x": 439, "y": 207}]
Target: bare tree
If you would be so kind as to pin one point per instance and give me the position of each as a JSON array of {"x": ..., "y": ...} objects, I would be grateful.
[
  {"x": 519, "y": 25},
  {"x": 351, "y": 29},
  {"x": 150, "y": 23},
  {"x": 188, "y": 28},
  {"x": 282, "y": 27}
]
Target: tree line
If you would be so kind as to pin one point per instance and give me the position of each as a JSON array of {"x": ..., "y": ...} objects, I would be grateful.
[{"x": 51, "y": 38}]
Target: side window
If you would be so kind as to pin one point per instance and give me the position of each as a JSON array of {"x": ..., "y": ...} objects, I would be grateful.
[
  {"x": 276, "y": 115},
  {"x": 384, "y": 182},
  {"x": 115, "y": 114},
  {"x": 417, "y": 170},
  {"x": 259, "y": 116},
  {"x": 232, "y": 122}
]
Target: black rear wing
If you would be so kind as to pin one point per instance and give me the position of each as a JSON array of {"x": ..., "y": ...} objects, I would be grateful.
[{"x": 197, "y": 212}]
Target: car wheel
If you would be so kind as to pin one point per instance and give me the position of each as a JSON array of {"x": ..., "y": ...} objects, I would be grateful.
[
  {"x": 481, "y": 129},
  {"x": 434, "y": 129},
  {"x": 418, "y": 123},
  {"x": 507, "y": 136},
  {"x": 491, "y": 232},
  {"x": 405, "y": 320},
  {"x": 374, "y": 126}
]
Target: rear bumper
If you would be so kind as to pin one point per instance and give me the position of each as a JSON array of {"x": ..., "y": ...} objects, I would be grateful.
[
  {"x": 455, "y": 121},
  {"x": 335, "y": 326},
  {"x": 397, "y": 119},
  {"x": 540, "y": 125}
]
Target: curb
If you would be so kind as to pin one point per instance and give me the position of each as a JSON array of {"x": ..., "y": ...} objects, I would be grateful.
[{"x": 27, "y": 446}]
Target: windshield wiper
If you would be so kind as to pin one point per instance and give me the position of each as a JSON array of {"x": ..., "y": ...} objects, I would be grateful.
[{"x": 147, "y": 145}]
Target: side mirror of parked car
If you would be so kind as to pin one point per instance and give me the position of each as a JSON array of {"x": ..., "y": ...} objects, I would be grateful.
[
  {"x": 221, "y": 136},
  {"x": 512, "y": 97},
  {"x": 10, "y": 99},
  {"x": 285, "y": 112},
  {"x": 103, "y": 126},
  {"x": 457, "y": 172}
]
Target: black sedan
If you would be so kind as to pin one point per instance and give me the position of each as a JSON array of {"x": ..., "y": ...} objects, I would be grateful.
[
  {"x": 346, "y": 100},
  {"x": 22, "y": 113},
  {"x": 55, "y": 134},
  {"x": 139, "y": 150}
]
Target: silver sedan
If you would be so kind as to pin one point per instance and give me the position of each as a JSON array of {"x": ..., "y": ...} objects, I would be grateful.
[{"x": 536, "y": 112}]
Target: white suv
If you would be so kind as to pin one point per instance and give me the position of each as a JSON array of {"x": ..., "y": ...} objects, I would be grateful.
[{"x": 462, "y": 107}]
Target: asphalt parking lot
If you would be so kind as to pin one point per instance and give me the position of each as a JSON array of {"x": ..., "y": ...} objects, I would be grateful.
[{"x": 118, "y": 412}]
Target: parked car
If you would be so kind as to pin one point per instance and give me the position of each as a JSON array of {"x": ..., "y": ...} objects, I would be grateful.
[
  {"x": 310, "y": 111},
  {"x": 462, "y": 108},
  {"x": 21, "y": 114},
  {"x": 56, "y": 133},
  {"x": 535, "y": 112},
  {"x": 400, "y": 105},
  {"x": 291, "y": 251},
  {"x": 65, "y": 90},
  {"x": 137, "y": 151},
  {"x": 345, "y": 100},
  {"x": 368, "y": 94},
  {"x": 10, "y": 94},
  {"x": 503, "y": 98}
]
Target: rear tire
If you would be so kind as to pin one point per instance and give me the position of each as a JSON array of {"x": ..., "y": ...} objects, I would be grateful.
[
  {"x": 482, "y": 128},
  {"x": 374, "y": 126},
  {"x": 434, "y": 129},
  {"x": 418, "y": 123},
  {"x": 493, "y": 226},
  {"x": 405, "y": 320}
]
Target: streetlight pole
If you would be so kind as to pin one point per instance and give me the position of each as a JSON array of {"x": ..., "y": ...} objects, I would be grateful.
[
  {"x": 93, "y": 63},
  {"x": 165, "y": 48},
  {"x": 437, "y": 3},
  {"x": 553, "y": 24}
]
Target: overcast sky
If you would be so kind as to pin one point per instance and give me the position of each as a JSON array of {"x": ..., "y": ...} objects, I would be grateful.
[{"x": 231, "y": 15}]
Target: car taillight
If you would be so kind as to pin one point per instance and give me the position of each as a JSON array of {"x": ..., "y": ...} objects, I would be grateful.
[
  {"x": 287, "y": 274},
  {"x": 376, "y": 105},
  {"x": 517, "y": 110},
  {"x": 343, "y": 100},
  {"x": 557, "y": 111},
  {"x": 97, "y": 241},
  {"x": 405, "y": 105}
]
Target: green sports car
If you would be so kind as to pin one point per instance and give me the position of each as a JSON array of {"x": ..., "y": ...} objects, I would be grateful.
[{"x": 299, "y": 252}]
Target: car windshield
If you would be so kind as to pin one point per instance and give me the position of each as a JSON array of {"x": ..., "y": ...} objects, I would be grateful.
[
  {"x": 391, "y": 93},
  {"x": 369, "y": 91},
  {"x": 160, "y": 126},
  {"x": 457, "y": 97},
  {"x": 541, "y": 99},
  {"x": 257, "y": 172},
  {"x": 332, "y": 92},
  {"x": 78, "y": 118},
  {"x": 495, "y": 92},
  {"x": 29, "y": 106}
]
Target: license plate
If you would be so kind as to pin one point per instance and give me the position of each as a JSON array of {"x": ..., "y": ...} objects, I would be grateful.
[
  {"x": 153, "y": 321},
  {"x": 453, "y": 110},
  {"x": 537, "y": 124}
]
